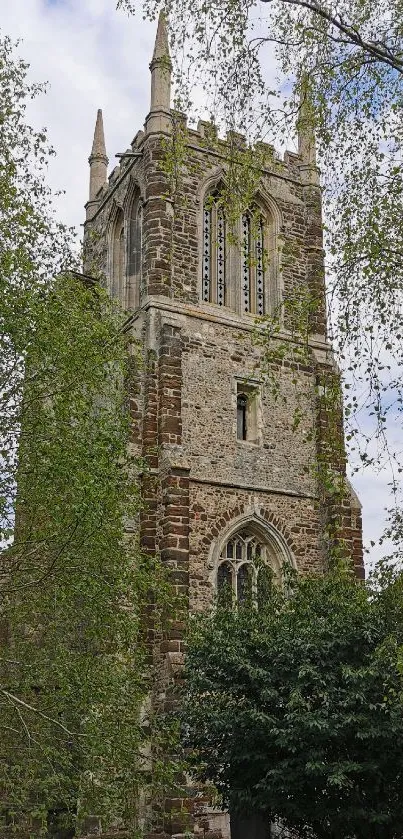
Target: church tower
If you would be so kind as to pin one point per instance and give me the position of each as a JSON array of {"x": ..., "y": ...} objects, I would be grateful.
[{"x": 229, "y": 475}]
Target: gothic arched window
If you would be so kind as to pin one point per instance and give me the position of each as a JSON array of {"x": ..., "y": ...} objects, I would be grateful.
[
  {"x": 252, "y": 280},
  {"x": 135, "y": 254},
  {"x": 118, "y": 267},
  {"x": 241, "y": 561},
  {"x": 214, "y": 251},
  {"x": 234, "y": 267}
]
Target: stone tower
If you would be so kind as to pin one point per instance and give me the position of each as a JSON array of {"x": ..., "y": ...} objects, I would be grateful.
[{"x": 228, "y": 474}]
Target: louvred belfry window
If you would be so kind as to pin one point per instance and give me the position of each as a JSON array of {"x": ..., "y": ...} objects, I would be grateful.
[
  {"x": 135, "y": 253},
  {"x": 252, "y": 263},
  {"x": 118, "y": 259},
  {"x": 233, "y": 266},
  {"x": 214, "y": 252}
]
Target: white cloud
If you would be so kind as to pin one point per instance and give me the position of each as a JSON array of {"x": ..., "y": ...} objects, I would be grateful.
[
  {"x": 374, "y": 493},
  {"x": 93, "y": 57}
]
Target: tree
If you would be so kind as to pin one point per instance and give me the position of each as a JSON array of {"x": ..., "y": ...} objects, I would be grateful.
[
  {"x": 74, "y": 586},
  {"x": 294, "y": 710}
]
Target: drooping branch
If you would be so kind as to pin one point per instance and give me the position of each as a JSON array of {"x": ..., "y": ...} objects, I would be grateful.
[
  {"x": 377, "y": 49},
  {"x": 18, "y": 701}
]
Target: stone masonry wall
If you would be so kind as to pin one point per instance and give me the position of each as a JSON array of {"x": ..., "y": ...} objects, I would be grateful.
[
  {"x": 200, "y": 477},
  {"x": 213, "y": 508},
  {"x": 172, "y": 221},
  {"x": 215, "y": 360}
]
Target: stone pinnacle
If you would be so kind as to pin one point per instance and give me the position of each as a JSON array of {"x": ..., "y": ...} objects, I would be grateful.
[
  {"x": 161, "y": 48},
  {"x": 98, "y": 145}
]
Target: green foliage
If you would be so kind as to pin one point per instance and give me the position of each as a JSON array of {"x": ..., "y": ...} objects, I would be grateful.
[
  {"x": 75, "y": 589},
  {"x": 70, "y": 584},
  {"x": 294, "y": 709}
]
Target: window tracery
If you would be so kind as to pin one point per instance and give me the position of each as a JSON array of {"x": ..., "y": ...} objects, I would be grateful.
[
  {"x": 118, "y": 257},
  {"x": 234, "y": 269},
  {"x": 214, "y": 252},
  {"x": 240, "y": 562},
  {"x": 135, "y": 253}
]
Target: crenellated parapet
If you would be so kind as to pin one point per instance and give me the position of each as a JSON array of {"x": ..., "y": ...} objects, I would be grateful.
[{"x": 172, "y": 218}]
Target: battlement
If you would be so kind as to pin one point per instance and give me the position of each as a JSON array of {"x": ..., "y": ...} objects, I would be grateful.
[
  {"x": 205, "y": 140},
  {"x": 164, "y": 124},
  {"x": 155, "y": 225}
]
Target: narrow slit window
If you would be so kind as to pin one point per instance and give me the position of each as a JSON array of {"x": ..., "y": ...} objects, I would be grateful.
[
  {"x": 248, "y": 413},
  {"x": 241, "y": 407}
]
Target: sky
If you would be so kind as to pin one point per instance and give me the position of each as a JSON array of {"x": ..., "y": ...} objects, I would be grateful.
[
  {"x": 95, "y": 57},
  {"x": 92, "y": 57}
]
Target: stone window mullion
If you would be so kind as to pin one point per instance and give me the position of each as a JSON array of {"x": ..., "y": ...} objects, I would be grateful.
[
  {"x": 246, "y": 266},
  {"x": 220, "y": 257},
  {"x": 234, "y": 273},
  {"x": 238, "y": 566},
  {"x": 207, "y": 253}
]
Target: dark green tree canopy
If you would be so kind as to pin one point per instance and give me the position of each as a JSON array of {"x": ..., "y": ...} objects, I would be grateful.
[{"x": 294, "y": 710}]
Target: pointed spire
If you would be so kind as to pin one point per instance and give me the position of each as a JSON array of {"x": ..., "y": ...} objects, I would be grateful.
[
  {"x": 161, "y": 47},
  {"x": 159, "y": 117},
  {"x": 306, "y": 130},
  {"x": 98, "y": 159},
  {"x": 98, "y": 145}
]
